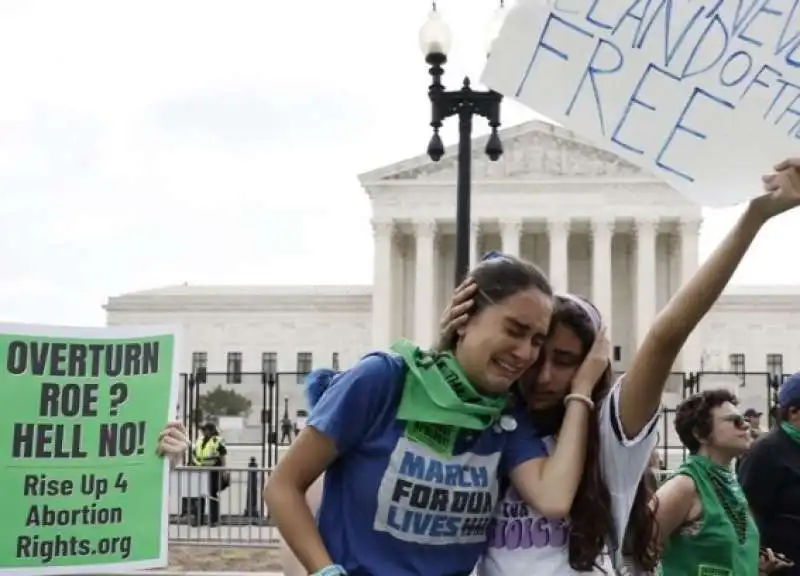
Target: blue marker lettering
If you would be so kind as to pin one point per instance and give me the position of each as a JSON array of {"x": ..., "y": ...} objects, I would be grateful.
[
  {"x": 714, "y": 23},
  {"x": 782, "y": 43},
  {"x": 763, "y": 9},
  {"x": 791, "y": 110},
  {"x": 557, "y": 7},
  {"x": 741, "y": 18},
  {"x": 714, "y": 10},
  {"x": 681, "y": 127},
  {"x": 541, "y": 44},
  {"x": 592, "y": 20},
  {"x": 629, "y": 14},
  {"x": 734, "y": 79},
  {"x": 784, "y": 85},
  {"x": 593, "y": 70},
  {"x": 669, "y": 49},
  {"x": 636, "y": 101},
  {"x": 791, "y": 55},
  {"x": 756, "y": 80}
]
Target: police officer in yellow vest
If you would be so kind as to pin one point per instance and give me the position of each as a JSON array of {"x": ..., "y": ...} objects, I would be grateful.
[{"x": 210, "y": 450}]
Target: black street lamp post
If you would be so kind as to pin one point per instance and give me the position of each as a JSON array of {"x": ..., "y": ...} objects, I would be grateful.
[{"x": 464, "y": 103}]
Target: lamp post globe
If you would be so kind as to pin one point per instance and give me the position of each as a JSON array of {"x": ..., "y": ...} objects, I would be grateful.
[
  {"x": 434, "y": 41},
  {"x": 435, "y": 37}
]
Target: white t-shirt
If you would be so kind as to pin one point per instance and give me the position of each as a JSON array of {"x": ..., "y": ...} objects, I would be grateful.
[{"x": 522, "y": 542}]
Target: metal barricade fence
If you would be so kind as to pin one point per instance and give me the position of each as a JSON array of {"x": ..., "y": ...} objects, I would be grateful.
[
  {"x": 263, "y": 400},
  {"x": 242, "y": 519},
  {"x": 268, "y": 396}
]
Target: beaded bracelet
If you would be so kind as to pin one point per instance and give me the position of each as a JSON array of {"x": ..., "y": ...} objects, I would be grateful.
[
  {"x": 332, "y": 570},
  {"x": 580, "y": 398}
]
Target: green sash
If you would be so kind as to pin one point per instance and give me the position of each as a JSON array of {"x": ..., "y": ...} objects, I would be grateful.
[
  {"x": 439, "y": 401},
  {"x": 791, "y": 430}
]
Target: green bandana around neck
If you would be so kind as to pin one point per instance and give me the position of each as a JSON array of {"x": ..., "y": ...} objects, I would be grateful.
[
  {"x": 438, "y": 400},
  {"x": 725, "y": 484},
  {"x": 791, "y": 430}
]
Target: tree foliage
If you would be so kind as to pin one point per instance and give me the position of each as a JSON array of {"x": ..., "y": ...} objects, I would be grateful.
[{"x": 224, "y": 402}]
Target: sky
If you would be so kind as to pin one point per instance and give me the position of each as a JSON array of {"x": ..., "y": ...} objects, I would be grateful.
[{"x": 145, "y": 144}]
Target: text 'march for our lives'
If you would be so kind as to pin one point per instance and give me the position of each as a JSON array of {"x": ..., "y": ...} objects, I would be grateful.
[
  {"x": 84, "y": 408},
  {"x": 704, "y": 94}
]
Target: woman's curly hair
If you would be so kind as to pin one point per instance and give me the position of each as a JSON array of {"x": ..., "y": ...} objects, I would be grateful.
[{"x": 693, "y": 418}]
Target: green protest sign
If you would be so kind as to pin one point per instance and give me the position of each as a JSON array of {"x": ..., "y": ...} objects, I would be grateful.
[{"x": 80, "y": 414}]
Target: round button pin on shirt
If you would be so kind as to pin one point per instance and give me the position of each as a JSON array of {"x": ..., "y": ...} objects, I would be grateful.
[{"x": 508, "y": 423}]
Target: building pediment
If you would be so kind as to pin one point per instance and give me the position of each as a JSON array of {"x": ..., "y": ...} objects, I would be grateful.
[{"x": 532, "y": 151}]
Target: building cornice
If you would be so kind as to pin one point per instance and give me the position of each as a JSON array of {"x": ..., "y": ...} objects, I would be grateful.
[
  {"x": 237, "y": 303},
  {"x": 738, "y": 299},
  {"x": 513, "y": 185},
  {"x": 758, "y": 303}
]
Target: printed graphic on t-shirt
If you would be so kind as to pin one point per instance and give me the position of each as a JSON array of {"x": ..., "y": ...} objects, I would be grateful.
[
  {"x": 517, "y": 526},
  {"x": 706, "y": 570},
  {"x": 428, "y": 499}
]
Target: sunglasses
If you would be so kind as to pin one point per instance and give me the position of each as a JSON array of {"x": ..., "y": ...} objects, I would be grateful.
[{"x": 736, "y": 419}]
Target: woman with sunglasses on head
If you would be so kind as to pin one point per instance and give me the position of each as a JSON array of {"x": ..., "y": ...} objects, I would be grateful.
[
  {"x": 621, "y": 439},
  {"x": 413, "y": 443},
  {"x": 704, "y": 522}
]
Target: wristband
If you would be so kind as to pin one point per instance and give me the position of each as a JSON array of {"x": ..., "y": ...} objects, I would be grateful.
[
  {"x": 579, "y": 398},
  {"x": 332, "y": 570}
]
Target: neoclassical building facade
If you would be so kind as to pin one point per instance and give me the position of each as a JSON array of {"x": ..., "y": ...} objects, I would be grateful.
[{"x": 597, "y": 225}]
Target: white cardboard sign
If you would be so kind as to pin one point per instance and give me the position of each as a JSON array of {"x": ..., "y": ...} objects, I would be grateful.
[{"x": 702, "y": 93}]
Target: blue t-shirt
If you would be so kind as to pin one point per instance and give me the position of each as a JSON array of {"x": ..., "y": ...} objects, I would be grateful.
[{"x": 391, "y": 507}]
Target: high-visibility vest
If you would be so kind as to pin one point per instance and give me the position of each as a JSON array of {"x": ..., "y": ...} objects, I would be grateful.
[{"x": 207, "y": 455}]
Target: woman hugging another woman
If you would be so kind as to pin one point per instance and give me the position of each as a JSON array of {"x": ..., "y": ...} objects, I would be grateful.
[
  {"x": 522, "y": 539},
  {"x": 414, "y": 443},
  {"x": 419, "y": 446}
]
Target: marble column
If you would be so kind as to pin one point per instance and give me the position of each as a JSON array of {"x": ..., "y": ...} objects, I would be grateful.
[
  {"x": 474, "y": 236},
  {"x": 558, "y": 230},
  {"x": 602, "y": 235},
  {"x": 510, "y": 233},
  {"x": 382, "y": 285},
  {"x": 646, "y": 230},
  {"x": 424, "y": 285},
  {"x": 690, "y": 261}
]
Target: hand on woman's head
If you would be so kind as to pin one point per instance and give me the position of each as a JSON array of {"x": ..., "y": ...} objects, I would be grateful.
[
  {"x": 499, "y": 326},
  {"x": 457, "y": 312},
  {"x": 594, "y": 365}
]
